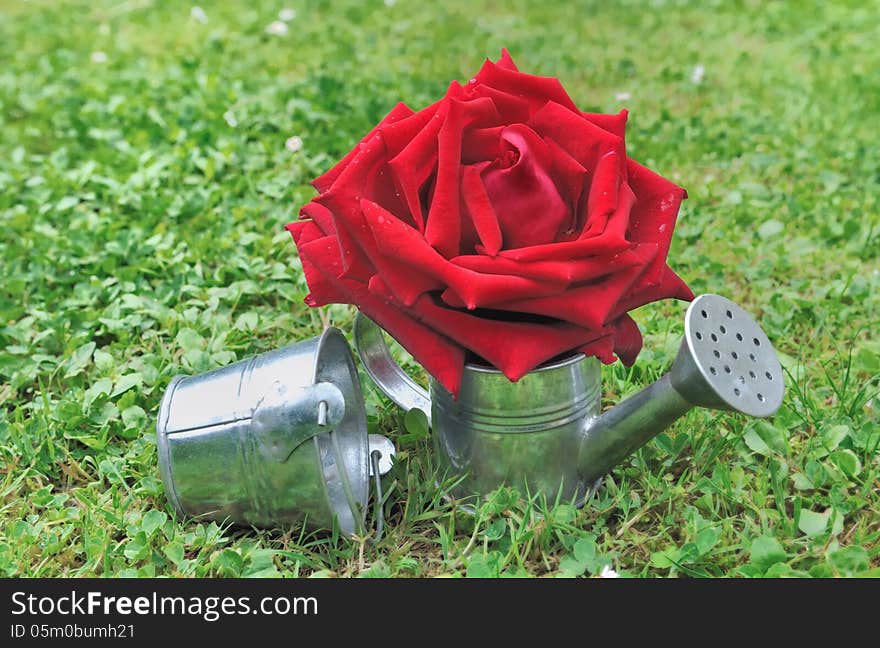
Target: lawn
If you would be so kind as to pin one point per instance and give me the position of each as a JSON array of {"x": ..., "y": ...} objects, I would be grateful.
[{"x": 145, "y": 181}]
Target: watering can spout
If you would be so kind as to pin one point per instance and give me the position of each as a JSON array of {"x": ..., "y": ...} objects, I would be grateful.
[{"x": 725, "y": 362}]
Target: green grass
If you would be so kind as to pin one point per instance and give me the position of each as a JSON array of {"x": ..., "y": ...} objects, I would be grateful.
[{"x": 142, "y": 201}]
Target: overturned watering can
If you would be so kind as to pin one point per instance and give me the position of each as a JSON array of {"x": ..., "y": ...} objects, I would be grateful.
[
  {"x": 278, "y": 438},
  {"x": 545, "y": 431}
]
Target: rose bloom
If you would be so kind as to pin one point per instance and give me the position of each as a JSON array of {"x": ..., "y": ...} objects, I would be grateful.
[{"x": 500, "y": 225}]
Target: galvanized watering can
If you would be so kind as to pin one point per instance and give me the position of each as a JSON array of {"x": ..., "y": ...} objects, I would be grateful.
[
  {"x": 279, "y": 438},
  {"x": 545, "y": 432}
]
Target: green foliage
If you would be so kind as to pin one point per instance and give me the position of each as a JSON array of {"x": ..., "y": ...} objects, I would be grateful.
[{"x": 144, "y": 185}]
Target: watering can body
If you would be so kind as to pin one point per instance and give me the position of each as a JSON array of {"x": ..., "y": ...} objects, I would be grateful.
[
  {"x": 280, "y": 438},
  {"x": 545, "y": 434},
  {"x": 524, "y": 434}
]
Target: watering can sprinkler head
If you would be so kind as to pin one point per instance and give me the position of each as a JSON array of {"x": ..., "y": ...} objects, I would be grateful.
[{"x": 725, "y": 362}]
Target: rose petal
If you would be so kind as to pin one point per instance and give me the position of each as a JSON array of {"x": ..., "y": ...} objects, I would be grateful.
[
  {"x": 304, "y": 231},
  {"x": 627, "y": 339},
  {"x": 670, "y": 286},
  {"x": 382, "y": 188},
  {"x": 321, "y": 265},
  {"x": 355, "y": 233},
  {"x": 406, "y": 285},
  {"x": 357, "y": 179},
  {"x": 588, "y": 306},
  {"x": 440, "y": 356},
  {"x": 399, "y": 134},
  {"x": 512, "y": 108},
  {"x": 506, "y": 62},
  {"x": 602, "y": 348},
  {"x": 570, "y": 178},
  {"x": 584, "y": 141},
  {"x": 603, "y": 196},
  {"x": 320, "y": 215},
  {"x": 398, "y": 241},
  {"x": 598, "y": 245},
  {"x": 526, "y": 345},
  {"x": 537, "y": 90},
  {"x": 654, "y": 214},
  {"x": 529, "y": 208},
  {"x": 324, "y": 182},
  {"x": 567, "y": 272},
  {"x": 611, "y": 241},
  {"x": 356, "y": 263},
  {"x": 614, "y": 124},
  {"x": 480, "y": 209},
  {"x": 617, "y": 225},
  {"x": 415, "y": 163},
  {"x": 443, "y": 227},
  {"x": 481, "y": 144}
]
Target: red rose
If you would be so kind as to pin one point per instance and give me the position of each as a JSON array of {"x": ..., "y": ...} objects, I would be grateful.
[{"x": 500, "y": 221}]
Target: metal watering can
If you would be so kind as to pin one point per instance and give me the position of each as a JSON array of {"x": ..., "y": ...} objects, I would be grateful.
[
  {"x": 278, "y": 438},
  {"x": 546, "y": 433}
]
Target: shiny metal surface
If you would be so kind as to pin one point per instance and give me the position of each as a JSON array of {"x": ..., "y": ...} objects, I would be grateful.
[
  {"x": 521, "y": 434},
  {"x": 385, "y": 372},
  {"x": 278, "y": 438},
  {"x": 626, "y": 427},
  {"x": 385, "y": 447},
  {"x": 286, "y": 416},
  {"x": 725, "y": 362},
  {"x": 524, "y": 434}
]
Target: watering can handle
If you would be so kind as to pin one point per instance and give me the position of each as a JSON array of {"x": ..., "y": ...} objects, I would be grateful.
[{"x": 369, "y": 341}]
